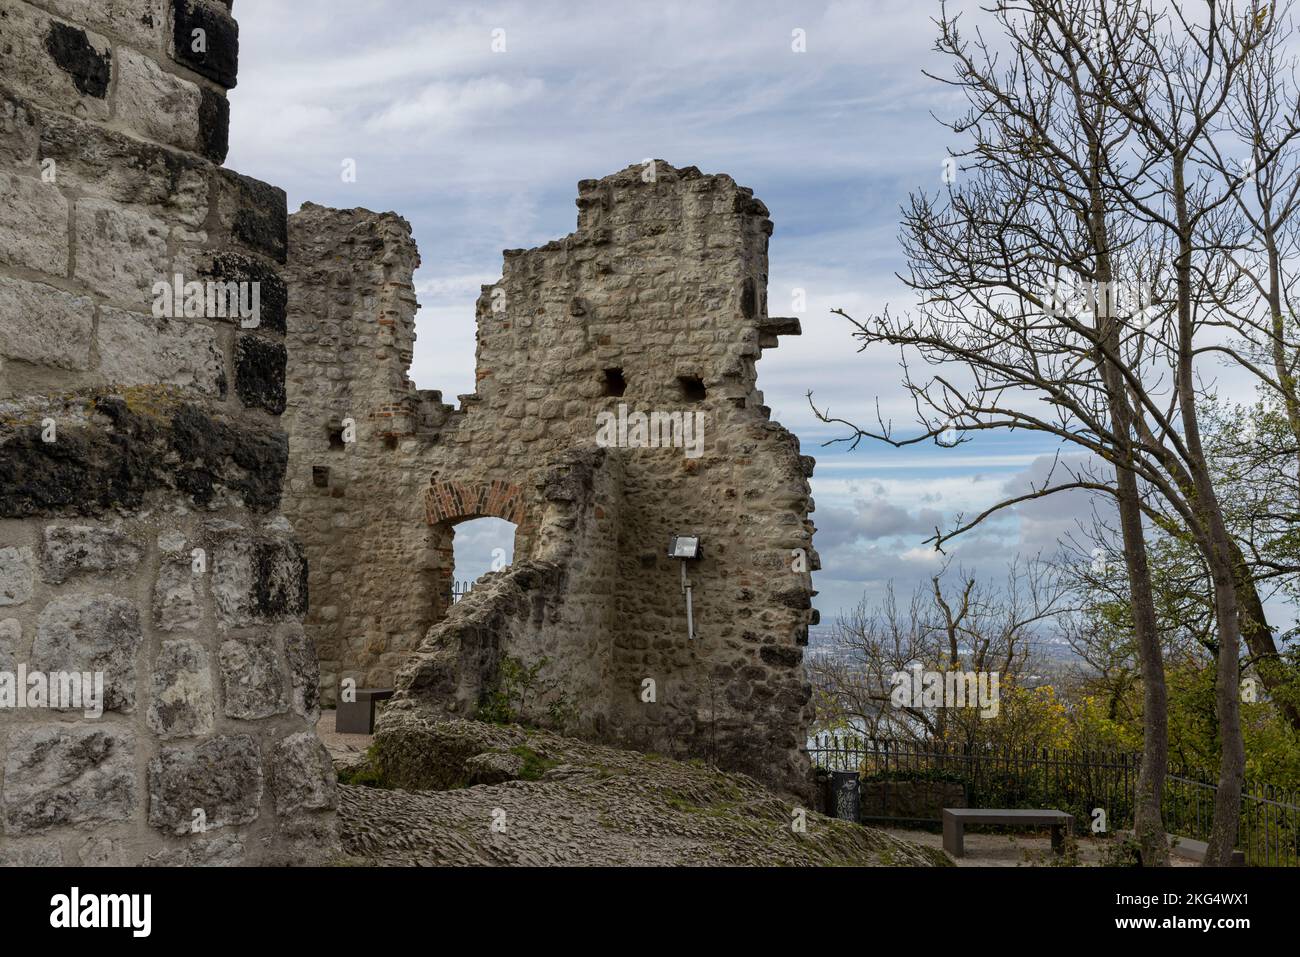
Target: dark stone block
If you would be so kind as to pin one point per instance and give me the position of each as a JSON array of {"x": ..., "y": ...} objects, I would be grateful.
[
  {"x": 273, "y": 294},
  {"x": 259, "y": 373},
  {"x": 261, "y": 456},
  {"x": 745, "y": 203},
  {"x": 782, "y": 655},
  {"x": 794, "y": 595},
  {"x": 748, "y": 300},
  {"x": 214, "y": 125},
  {"x": 256, "y": 214},
  {"x": 280, "y": 571},
  {"x": 219, "y": 62},
  {"x": 73, "y": 54},
  {"x": 93, "y": 469}
]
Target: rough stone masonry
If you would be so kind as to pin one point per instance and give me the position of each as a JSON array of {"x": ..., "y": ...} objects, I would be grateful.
[
  {"x": 616, "y": 405},
  {"x": 142, "y": 462}
]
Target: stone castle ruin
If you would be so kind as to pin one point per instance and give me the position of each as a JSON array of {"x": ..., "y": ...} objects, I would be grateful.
[
  {"x": 215, "y": 471},
  {"x": 616, "y": 405}
]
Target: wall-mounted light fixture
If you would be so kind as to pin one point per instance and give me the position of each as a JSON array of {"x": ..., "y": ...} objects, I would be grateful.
[{"x": 686, "y": 548}]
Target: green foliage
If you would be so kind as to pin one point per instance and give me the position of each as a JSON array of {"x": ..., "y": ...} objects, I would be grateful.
[
  {"x": 521, "y": 692},
  {"x": 1069, "y": 856},
  {"x": 1121, "y": 852},
  {"x": 534, "y": 764},
  {"x": 919, "y": 774},
  {"x": 368, "y": 774}
]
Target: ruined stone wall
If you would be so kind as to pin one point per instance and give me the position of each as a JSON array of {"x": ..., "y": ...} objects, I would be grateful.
[
  {"x": 553, "y": 611},
  {"x": 352, "y": 413},
  {"x": 141, "y": 456},
  {"x": 657, "y": 303}
]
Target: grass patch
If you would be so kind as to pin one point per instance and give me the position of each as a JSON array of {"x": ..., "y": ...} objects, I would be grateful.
[
  {"x": 534, "y": 764},
  {"x": 366, "y": 774}
]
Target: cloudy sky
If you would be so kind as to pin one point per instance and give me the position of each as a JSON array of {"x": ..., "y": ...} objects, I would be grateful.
[{"x": 482, "y": 151}]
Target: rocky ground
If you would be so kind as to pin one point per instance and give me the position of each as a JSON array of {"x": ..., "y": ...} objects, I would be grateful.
[{"x": 467, "y": 793}]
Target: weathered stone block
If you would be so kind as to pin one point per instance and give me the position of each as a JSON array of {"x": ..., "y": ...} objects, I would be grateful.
[
  {"x": 258, "y": 579},
  {"x": 11, "y": 633},
  {"x": 273, "y": 295},
  {"x": 91, "y": 633},
  {"x": 74, "y": 549},
  {"x": 100, "y": 852},
  {"x": 304, "y": 671},
  {"x": 259, "y": 373},
  {"x": 177, "y": 605},
  {"x": 93, "y": 470},
  {"x": 50, "y": 328},
  {"x": 248, "y": 461},
  {"x": 182, "y": 702},
  {"x": 224, "y": 850},
  {"x": 68, "y": 775},
  {"x": 205, "y": 38},
  {"x": 222, "y": 777},
  {"x": 141, "y": 350},
  {"x": 158, "y": 106},
  {"x": 781, "y": 656},
  {"x": 494, "y": 767},
  {"x": 254, "y": 214},
  {"x": 109, "y": 164},
  {"x": 18, "y": 132},
  {"x": 72, "y": 51},
  {"x": 31, "y": 854},
  {"x": 33, "y": 224},
  {"x": 214, "y": 125},
  {"x": 121, "y": 252},
  {"x": 17, "y": 574},
  {"x": 252, "y": 678},
  {"x": 140, "y": 22},
  {"x": 302, "y": 775},
  {"x": 54, "y": 62}
]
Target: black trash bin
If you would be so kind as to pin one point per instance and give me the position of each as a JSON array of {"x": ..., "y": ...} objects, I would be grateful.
[{"x": 846, "y": 796}]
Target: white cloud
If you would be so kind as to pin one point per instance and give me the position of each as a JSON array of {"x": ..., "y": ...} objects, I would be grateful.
[{"x": 442, "y": 107}]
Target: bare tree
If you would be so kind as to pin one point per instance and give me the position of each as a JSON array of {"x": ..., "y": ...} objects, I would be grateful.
[
  {"x": 1033, "y": 217},
  {"x": 1259, "y": 155},
  {"x": 1088, "y": 165},
  {"x": 951, "y": 625}
]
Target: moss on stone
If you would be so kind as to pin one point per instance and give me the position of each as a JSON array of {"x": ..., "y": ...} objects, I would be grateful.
[{"x": 535, "y": 765}]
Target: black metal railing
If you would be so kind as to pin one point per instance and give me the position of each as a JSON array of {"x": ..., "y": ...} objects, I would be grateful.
[
  {"x": 1078, "y": 781},
  {"x": 459, "y": 590}
]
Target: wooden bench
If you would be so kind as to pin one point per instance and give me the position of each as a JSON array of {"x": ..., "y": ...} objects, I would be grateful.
[
  {"x": 358, "y": 717},
  {"x": 955, "y": 820}
]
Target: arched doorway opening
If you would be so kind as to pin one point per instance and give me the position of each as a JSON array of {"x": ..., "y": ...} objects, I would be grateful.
[
  {"x": 474, "y": 528},
  {"x": 479, "y": 546}
]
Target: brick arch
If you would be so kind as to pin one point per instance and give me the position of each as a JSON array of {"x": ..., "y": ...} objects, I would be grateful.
[{"x": 454, "y": 501}]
